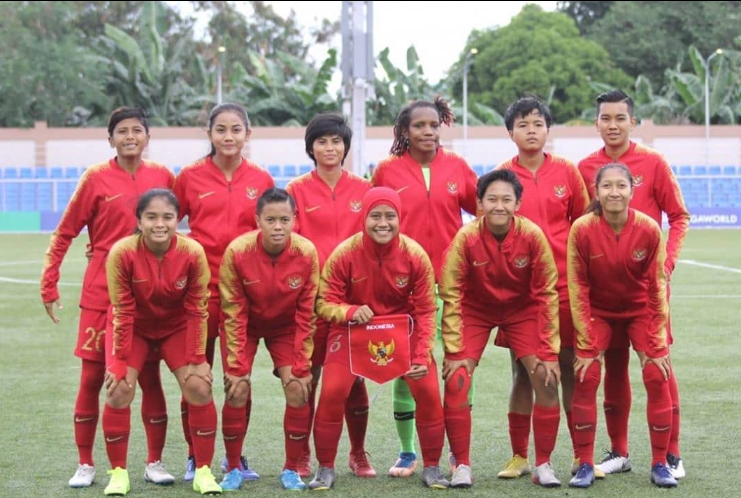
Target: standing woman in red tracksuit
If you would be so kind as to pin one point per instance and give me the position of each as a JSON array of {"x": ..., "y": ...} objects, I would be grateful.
[
  {"x": 434, "y": 185},
  {"x": 218, "y": 194},
  {"x": 329, "y": 209},
  {"x": 104, "y": 202},
  {"x": 378, "y": 272},
  {"x": 158, "y": 285},
  {"x": 617, "y": 286}
]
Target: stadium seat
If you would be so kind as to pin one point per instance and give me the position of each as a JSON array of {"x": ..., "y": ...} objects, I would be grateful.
[
  {"x": 675, "y": 169},
  {"x": 72, "y": 172},
  {"x": 57, "y": 172},
  {"x": 305, "y": 168},
  {"x": 41, "y": 172},
  {"x": 281, "y": 182},
  {"x": 685, "y": 171},
  {"x": 700, "y": 170},
  {"x": 714, "y": 170},
  {"x": 479, "y": 169},
  {"x": 274, "y": 170},
  {"x": 10, "y": 173},
  {"x": 177, "y": 170},
  {"x": 26, "y": 173},
  {"x": 12, "y": 196},
  {"x": 290, "y": 170},
  {"x": 729, "y": 170}
]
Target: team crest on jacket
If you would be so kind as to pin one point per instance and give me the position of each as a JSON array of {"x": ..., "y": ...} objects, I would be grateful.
[
  {"x": 356, "y": 206},
  {"x": 402, "y": 281},
  {"x": 180, "y": 284},
  {"x": 559, "y": 190},
  {"x": 638, "y": 180},
  {"x": 381, "y": 354},
  {"x": 521, "y": 261},
  {"x": 294, "y": 281},
  {"x": 452, "y": 187},
  {"x": 252, "y": 192},
  {"x": 639, "y": 254}
]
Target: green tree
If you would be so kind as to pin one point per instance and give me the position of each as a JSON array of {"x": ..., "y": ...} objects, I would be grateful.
[
  {"x": 649, "y": 37},
  {"x": 539, "y": 53},
  {"x": 585, "y": 13},
  {"x": 46, "y": 69}
]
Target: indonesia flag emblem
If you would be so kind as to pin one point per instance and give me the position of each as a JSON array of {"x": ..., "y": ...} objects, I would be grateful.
[
  {"x": 294, "y": 282},
  {"x": 402, "y": 281},
  {"x": 521, "y": 261},
  {"x": 452, "y": 187},
  {"x": 638, "y": 180},
  {"x": 559, "y": 190},
  {"x": 381, "y": 354},
  {"x": 639, "y": 254},
  {"x": 252, "y": 192},
  {"x": 180, "y": 284},
  {"x": 356, "y": 206}
]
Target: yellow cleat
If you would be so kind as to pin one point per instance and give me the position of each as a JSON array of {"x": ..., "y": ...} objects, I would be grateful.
[
  {"x": 119, "y": 484},
  {"x": 205, "y": 482},
  {"x": 598, "y": 474},
  {"x": 515, "y": 467}
]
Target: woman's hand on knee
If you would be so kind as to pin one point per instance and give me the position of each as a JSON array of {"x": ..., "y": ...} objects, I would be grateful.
[
  {"x": 552, "y": 374},
  {"x": 232, "y": 384},
  {"x": 201, "y": 370},
  {"x": 297, "y": 389},
  {"x": 451, "y": 366}
]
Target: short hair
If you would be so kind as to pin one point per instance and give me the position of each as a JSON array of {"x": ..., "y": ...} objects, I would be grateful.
[
  {"x": 499, "y": 175},
  {"x": 327, "y": 124},
  {"x": 594, "y": 205},
  {"x": 403, "y": 120},
  {"x": 524, "y": 107},
  {"x": 227, "y": 107},
  {"x": 274, "y": 196},
  {"x": 122, "y": 113},
  {"x": 614, "y": 96}
]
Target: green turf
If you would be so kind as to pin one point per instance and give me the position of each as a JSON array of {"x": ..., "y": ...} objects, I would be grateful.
[{"x": 39, "y": 381}]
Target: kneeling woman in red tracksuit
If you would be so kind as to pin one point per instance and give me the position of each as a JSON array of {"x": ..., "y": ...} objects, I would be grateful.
[
  {"x": 617, "y": 287},
  {"x": 158, "y": 284},
  {"x": 359, "y": 280}
]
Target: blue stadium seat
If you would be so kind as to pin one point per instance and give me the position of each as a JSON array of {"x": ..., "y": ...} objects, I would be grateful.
[
  {"x": 10, "y": 173},
  {"x": 729, "y": 170},
  {"x": 26, "y": 173},
  {"x": 290, "y": 170},
  {"x": 479, "y": 169},
  {"x": 12, "y": 196},
  {"x": 675, "y": 169},
  {"x": 714, "y": 170},
  {"x": 41, "y": 172},
  {"x": 57, "y": 172},
  {"x": 275, "y": 170},
  {"x": 177, "y": 170},
  {"x": 281, "y": 182},
  {"x": 305, "y": 168},
  {"x": 685, "y": 170},
  {"x": 700, "y": 170},
  {"x": 72, "y": 172},
  {"x": 490, "y": 167},
  {"x": 44, "y": 196}
]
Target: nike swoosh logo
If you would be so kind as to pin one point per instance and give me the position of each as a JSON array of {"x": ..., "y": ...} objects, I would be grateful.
[
  {"x": 138, "y": 281},
  {"x": 582, "y": 427},
  {"x": 83, "y": 419},
  {"x": 248, "y": 282},
  {"x": 479, "y": 263},
  {"x": 206, "y": 194},
  {"x": 660, "y": 429},
  {"x": 297, "y": 438},
  {"x": 207, "y": 433},
  {"x": 312, "y": 208},
  {"x": 356, "y": 280},
  {"x": 109, "y": 198},
  {"x": 595, "y": 256},
  {"x": 113, "y": 439},
  {"x": 157, "y": 420},
  {"x": 230, "y": 438},
  {"x": 402, "y": 189}
]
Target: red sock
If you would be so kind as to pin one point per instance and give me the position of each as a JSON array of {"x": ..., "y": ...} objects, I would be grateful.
[
  {"x": 658, "y": 412},
  {"x": 674, "y": 440},
  {"x": 186, "y": 425},
  {"x": 356, "y": 416},
  {"x": 154, "y": 410},
  {"x": 306, "y": 452},
  {"x": 116, "y": 428},
  {"x": 458, "y": 416},
  {"x": 203, "y": 432},
  {"x": 87, "y": 409},
  {"x": 584, "y": 413},
  {"x": 519, "y": 433},
  {"x": 247, "y": 411},
  {"x": 569, "y": 422},
  {"x": 234, "y": 428},
  {"x": 295, "y": 423},
  {"x": 545, "y": 430},
  {"x": 617, "y": 398}
]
